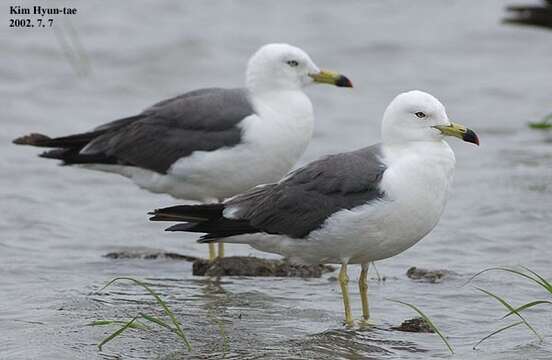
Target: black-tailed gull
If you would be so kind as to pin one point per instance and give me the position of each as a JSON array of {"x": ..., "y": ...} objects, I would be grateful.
[
  {"x": 208, "y": 144},
  {"x": 348, "y": 208}
]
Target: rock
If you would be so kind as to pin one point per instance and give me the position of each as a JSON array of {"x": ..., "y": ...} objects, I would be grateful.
[
  {"x": 416, "y": 324},
  {"x": 252, "y": 266},
  {"x": 147, "y": 253},
  {"x": 424, "y": 275}
]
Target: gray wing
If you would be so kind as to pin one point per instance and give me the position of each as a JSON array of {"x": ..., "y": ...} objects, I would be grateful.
[
  {"x": 302, "y": 201},
  {"x": 205, "y": 119}
]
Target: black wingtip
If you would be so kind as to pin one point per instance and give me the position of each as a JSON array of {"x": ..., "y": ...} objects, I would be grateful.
[
  {"x": 160, "y": 216},
  {"x": 180, "y": 227}
]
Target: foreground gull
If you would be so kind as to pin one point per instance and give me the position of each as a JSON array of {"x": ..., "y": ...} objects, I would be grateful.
[
  {"x": 348, "y": 208},
  {"x": 208, "y": 144}
]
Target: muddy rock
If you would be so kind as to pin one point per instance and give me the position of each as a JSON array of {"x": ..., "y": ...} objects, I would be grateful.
[
  {"x": 252, "y": 266},
  {"x": 147, "y": 253},
  {"x": 416, "y": 324},
  {"x": 424, "y": 275}
]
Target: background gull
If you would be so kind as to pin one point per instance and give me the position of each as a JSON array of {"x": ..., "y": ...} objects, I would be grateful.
[
  {"x": 348, "y": 208},
  {"x": 212, "y": 143}
]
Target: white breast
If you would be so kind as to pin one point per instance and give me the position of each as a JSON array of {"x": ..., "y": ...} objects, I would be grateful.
[{"x": 417, "y": 188}]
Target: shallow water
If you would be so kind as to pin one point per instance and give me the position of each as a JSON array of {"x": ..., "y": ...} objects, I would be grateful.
[{"x": 58, "y": 222}]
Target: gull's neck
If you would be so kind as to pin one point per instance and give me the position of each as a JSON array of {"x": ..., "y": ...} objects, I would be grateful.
[
  {"x": 283, "y": 101},
  {"x": 259, "y": 82},
  {"x": 431, "y": 153},
  {"x": 280, "y": 131},
  {"x": 260, "y": 88},
  {"x": 418, "y": 167},
  {"x": 285, "y": 114}
]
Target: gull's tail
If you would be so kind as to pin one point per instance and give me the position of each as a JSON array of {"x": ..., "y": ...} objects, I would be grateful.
[
  {"x": 206, "y": 218},
  {"x": 41, "y": 140},
  {"x": 68, "y": 148}
]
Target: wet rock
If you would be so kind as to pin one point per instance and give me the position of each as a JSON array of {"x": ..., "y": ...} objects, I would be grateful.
[
  {"x": 416, "y": 324},
  {"x": 252, "y": 266},
  {"x": 424, "y": 275},
  {"x": 148, "y": 254}
]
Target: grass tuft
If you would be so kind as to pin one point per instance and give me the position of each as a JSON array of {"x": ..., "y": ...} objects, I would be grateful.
[
  {"x": 525, "y": 273},
  {"x": 527, "y": 306},
  {"x": 428, "y": 320},
  {"x": 116, "y": 333},
  {"x": 133, "y": 324},
  {"x": 496, "y": 332},
  {"x": 512, "y": 310}
]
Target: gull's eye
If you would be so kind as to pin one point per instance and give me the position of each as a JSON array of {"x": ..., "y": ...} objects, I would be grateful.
[
  {"x": 420, "y": 114},
  {"x": 292, "y": 63}
]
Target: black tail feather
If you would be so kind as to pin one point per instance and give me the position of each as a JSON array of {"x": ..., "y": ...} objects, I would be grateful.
[
  {"x": 207, "y": 218},
  {"x": 182, "y": 227},
  {"x": 77, "y": 140},
  {"x": 188, "y": 213},
  {"x": 72, "y": 141},
  {"x": 33, "y": 139},
  {"x": 68, "y": 148}
]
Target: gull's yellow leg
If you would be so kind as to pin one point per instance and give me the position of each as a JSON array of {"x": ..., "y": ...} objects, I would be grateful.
[
  {"x": 344, "y": 282},
  {"x": 363, "y": 288},
  {"x": 212, "y": 252}
]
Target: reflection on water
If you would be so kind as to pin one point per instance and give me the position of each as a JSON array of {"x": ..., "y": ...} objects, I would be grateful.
[{"x": 58, "y": 222}]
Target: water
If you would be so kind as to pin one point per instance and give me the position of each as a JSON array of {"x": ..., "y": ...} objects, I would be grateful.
[{"x": 57, "y": 222}]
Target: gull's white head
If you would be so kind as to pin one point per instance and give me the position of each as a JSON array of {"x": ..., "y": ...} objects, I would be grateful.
[
  {"x": 286, "y": 67},
  {"x": 419, "y": 116}
]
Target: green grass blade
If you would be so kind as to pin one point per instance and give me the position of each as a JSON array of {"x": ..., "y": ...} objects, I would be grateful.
[
  {"x": 426, "y": 318},
  {"x": 541, "y": 125},
  {"x": 545, "y": 123},
  {"x": 166, "y": 309},
  {"x": 538, "y": 279},
  {"x": 157, "y": 321},
  {"x": 543, "y": 282},
  {"x": 116, "y": 333},
  {"x": 135, "y": 325},
  {"x": 513, "y": 271},
  {"x": 161, "y": 323},
  {"x": 496, "y": 332},
  {"x": 527, "y": 306},
  {"x": 511, "y": 308}
]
